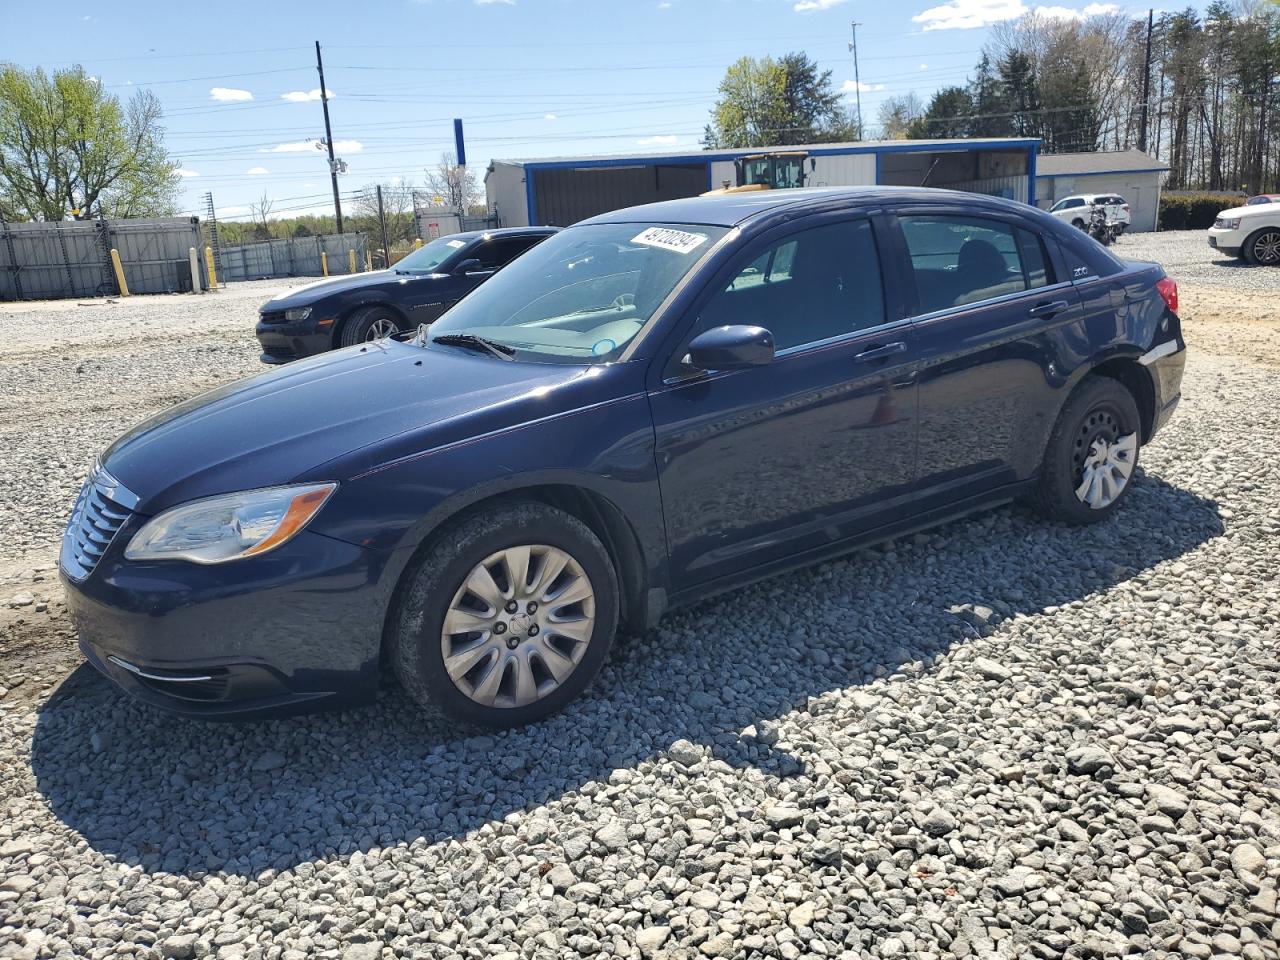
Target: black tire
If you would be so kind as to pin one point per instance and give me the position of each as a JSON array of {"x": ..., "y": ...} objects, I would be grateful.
[
  {"x": 1260, "y": 248},
  {"x": 360, "y": 325},
  {"x": 1079, "y": 224},
  {"x": 427, "y": 591},
  {"x": 1099, "y": 406}
]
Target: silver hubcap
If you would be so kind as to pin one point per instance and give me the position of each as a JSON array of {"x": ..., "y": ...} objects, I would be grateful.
[
  {"x": 381, "y": 329},
  {"x": 1267, "y": 248},
  {"x": 518, "y": 626},
  {"x": 1106, "y": 470}
]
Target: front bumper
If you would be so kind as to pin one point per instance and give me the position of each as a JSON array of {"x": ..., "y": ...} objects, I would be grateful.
[
  {"x": 1229, "y": 242},
  {"x": 293, "y": 630},
  {"x": 282, "y": 342}
]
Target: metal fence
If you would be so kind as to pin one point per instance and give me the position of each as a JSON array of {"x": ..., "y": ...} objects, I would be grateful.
[
  {"x": 40, "y": 261},
  {"x": 294, "y": 257}
]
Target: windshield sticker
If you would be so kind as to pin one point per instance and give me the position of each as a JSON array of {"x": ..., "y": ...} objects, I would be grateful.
[
  {"x": 455, "y": 243},
  {"x": 601, "y": 347},
  {"x": 665, "y": 238}
]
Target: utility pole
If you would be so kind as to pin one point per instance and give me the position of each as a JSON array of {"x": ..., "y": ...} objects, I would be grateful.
[
  {"x": 382, "y": 223},
  {"x": 857, "y": 84},
  {"x": 1146, "y": 88},
  {"x": 328, "y": 138}
]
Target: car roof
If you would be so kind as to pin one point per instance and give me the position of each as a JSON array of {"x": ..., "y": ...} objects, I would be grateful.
[
  {"x": 733, "y": 209},
  {"x": 500, "y": 232}
]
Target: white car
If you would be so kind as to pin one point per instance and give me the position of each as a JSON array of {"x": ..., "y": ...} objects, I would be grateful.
[
  {"x": 1077, "y": 209},
  {"x": 1251, "y": 232}
]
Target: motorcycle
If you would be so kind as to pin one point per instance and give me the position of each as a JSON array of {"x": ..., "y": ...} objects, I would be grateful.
[{"x": 1102, "y": 228}]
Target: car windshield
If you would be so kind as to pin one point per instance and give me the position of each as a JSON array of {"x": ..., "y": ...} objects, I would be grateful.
[
  {"x": 428, "y": 258},
  {"x": 583, "y": 294}
]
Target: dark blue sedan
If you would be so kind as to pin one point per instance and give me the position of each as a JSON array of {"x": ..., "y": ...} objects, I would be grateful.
[
  {"x": 343, "y": 311},
  {"x": 645, "y": 409}
]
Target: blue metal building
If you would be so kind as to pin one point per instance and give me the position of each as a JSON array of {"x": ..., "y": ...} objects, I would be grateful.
[{"x": 563, "y": 190}]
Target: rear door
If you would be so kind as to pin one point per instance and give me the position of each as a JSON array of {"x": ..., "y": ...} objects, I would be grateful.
[{"x": 989, "y": 318}]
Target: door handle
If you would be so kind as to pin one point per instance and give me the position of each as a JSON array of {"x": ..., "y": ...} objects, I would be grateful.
[
  {"x": 1048, "y": 308},
  {"x": 879, "y": 353}
]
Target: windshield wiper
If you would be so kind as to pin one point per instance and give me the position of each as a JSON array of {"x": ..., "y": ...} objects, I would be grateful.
[{"x": 499, "y": 350}]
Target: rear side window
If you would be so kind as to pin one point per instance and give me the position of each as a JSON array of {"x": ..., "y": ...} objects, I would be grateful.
[
  {"x": 960, "y": 260},
  {"x": 500, "y": 251}
]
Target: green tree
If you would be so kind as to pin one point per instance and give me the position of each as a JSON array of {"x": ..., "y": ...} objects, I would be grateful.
[
  {"x": 67, "y": 147},
  {"x": 990, "y": 107},
  {"x": 814, "y": 112},
  {"x": 896, "y": 115},
  {"x": 947, "y": 116},
  {"x": 1018, "y": 86},
  {"x": 751, "y": 110}
]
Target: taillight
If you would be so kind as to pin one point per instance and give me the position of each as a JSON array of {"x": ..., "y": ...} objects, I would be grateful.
[
  {"x": 1168, "y": 290},
  {"x": 1126, "y": 207}
]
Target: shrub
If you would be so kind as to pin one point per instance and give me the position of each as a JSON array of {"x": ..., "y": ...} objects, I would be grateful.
[{"x": 1194, "y": 211}]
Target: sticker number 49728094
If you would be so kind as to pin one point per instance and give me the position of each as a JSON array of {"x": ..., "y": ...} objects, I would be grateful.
[{"x": 667, "y": 239}]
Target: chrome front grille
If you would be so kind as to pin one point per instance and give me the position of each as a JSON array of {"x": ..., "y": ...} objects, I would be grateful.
[{"x": 101, "y": 509}]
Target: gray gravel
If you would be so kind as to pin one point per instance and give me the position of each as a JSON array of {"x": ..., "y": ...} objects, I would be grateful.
[
  {"x": 1188, "y": 258},
  {"x": 1001, "y": 739},
  {"x": 91, "y": 370}
]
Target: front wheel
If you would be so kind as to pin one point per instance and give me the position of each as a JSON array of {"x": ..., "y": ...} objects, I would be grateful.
[
  {"x": 370, "y": 323},
  {"x": 1089, "y": 461},
  {"x": 1263, "y": 247},
  {"x": 508, "y": 617}
]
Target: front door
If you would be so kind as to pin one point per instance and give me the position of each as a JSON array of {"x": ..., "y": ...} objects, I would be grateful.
[{"x": 760, "y": 465}]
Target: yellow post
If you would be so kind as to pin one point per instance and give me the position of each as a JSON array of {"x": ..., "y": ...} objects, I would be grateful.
[
  {"x": 115, "y": 263},
  {"x": 324, "y": 263},
  {"x": 351, "y": 261},
  {"x": 417, "y": 244},
  {"x": 208, "y": 262},
  {"x": 368, "y": 262}
]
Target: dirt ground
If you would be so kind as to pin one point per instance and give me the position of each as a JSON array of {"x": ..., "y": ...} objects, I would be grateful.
[{"x": 37, "y": 642}]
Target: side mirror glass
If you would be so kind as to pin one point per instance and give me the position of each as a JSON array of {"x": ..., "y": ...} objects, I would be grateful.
[
  {"x": 471, "y": 265},
  {"x": 731, "y": 348}
]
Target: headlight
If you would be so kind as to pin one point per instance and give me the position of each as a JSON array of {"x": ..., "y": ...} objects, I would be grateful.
[
  {"x": 229, "y": 527},
  {"x": 297, "y": 313},
  {"x": 1228, "y": 223}
]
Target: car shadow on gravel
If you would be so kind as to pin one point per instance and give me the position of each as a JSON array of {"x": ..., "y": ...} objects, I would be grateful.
[{"x": 192, "y": 798}]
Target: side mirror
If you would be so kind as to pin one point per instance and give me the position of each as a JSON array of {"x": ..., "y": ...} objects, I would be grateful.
[
  {"x": 730, "y": 348},
  {"x": 471, "y": 265}
]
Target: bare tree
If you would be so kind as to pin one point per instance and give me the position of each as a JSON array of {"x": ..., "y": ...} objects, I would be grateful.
[
  {"x": 260, "y": 211},
  {"x": 896, "y": 115},
  {"x": 397, "y": 205},
  {"x": 455, "y": 185}
]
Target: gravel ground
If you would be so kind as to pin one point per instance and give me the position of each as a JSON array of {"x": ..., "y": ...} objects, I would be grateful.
[
  {"x": 1004, "y": 738},
  {"x": 1186, "y": 255}
]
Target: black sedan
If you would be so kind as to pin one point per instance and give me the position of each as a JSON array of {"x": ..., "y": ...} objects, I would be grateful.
[
  {"x": 651, "y": 407},
  {"x": 342, "y": 311}
]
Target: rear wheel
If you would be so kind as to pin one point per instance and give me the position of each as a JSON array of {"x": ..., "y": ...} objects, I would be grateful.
[
  {"x": 508, "y": 617},
  {"x": 1089, "y": 461},
  {"x": 370, "y": 323},
  {"x": 1263, "y": 247},
  {"x": 1079, "y": 224}
]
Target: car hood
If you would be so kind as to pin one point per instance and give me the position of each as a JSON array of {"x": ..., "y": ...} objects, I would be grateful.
[
  {"x": 337, "y": 408},
  {"x": 1257, "y": 210},
  {"x": 311, "y": 292}
]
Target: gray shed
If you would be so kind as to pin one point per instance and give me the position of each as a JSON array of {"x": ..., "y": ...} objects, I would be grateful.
[{"x": 1131, "y": 173}]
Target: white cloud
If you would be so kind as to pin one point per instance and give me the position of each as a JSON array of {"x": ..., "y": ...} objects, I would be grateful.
[
  {"x": 183, "y": 172},
  {"x": 490, "y": 3},
  {"x": 306, "y": 146},
  {"x": 229, "y": 94},
  {"x": 550, "y": 116},
  {"x": 305, "y": 96},
  {"x": 968, "y": 14},
  {"x": 924, "y": 66},
  {"x": 1068, "y": 13},
  {"x": 257, "y": 171},
  {"x": 812, "y": 6},
  {"x": 848, "y": 87},
  {"x": 664, "y": 5},
  {"x": 661, "y": 140}
]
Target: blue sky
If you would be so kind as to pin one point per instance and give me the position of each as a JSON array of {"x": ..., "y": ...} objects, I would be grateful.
[{"x": 529, "y": 77}]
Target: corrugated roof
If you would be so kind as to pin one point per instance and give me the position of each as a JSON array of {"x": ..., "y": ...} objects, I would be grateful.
[
  {"x": 1107, "y": 161},
  {"x": 644, "y": 156}
]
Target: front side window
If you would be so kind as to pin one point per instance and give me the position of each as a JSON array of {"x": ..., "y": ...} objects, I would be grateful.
[
  {"x": 499, "y": 251},
  {"x": 959, "y": 260},
  {"x": 813, "y": 285},
  {"x": 583, "y": 294}
]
